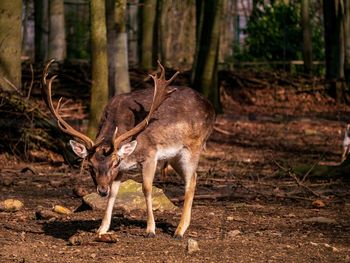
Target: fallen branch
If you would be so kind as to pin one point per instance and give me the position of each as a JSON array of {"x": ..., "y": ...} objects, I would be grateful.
[{"x": 296, "y": 179}]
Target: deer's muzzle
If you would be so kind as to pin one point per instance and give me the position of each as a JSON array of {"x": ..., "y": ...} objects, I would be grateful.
[{"x": 103, "y": 190}]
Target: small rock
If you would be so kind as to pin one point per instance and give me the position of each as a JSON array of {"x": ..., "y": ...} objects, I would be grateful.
[
  {"x": 76, "y": 240},
  {"x": 80, "y": 192},
  {"x": 45, "y": 215},
  {"x": 192, "y": 246},
  {"x": 334, "y": 249},
  {"x": 318, "y": 203},
  {"x": 107, "y": 238},
  {"x": 313, "y": 244},
  {"x": 131, "y": 197},
  {"x": 11, "y": 205},
  {"x": 234, "y": 233},
  {"x": 61, "y": 210},
  {"x": 230, "y": 218}
]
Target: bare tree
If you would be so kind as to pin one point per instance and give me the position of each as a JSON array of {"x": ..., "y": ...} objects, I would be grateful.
[
  {"x": 99, "y": 89},
  {"x": 41, "y": 8},
  {"x": 307, "y": 42},
  {"x": 204, "y": 72},
  {"x": 148, "y": 19},
  {"x": 346, "y": 30},
  {"x": 10, "y": 44},
  {"x": 176, "y": 32},
  {"x": 334, "y": 46},
  {"x": 57, "y": 33},
  {"x": 117, "y": 47}
]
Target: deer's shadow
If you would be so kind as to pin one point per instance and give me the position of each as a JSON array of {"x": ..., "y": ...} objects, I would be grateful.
[{"x": 65, "y": 229}]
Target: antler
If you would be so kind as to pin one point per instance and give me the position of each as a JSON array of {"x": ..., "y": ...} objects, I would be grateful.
[
  {"x": 159, "y": 95},
  {"x": 62, "y": 124}
]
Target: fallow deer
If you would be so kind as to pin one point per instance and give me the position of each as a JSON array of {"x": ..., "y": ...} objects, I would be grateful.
[{"x": 175, "y": 129}]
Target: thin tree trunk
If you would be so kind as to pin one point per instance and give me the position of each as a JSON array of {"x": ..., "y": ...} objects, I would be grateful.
[
  {"x": 205, "y": 70},
  {"x": 307, "y": 42},
  {"x": 176, "y": 33},
  {"x": 41, "y": 8},
  {"x": 57, "y": 33},
  {"x": 117, "y": 47},
  {"x": 147, "y": 33},
  {"x": 334, "y": 48},
  {"x": 10, "y": 44},
  {"x": 99, "y": 89},
  {"x": 133, "y": 28},
  {"x": 346, "y": 28}
]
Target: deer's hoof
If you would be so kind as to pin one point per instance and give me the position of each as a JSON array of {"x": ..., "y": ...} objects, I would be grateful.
[
  {"x": 150, "y": 235},
  {"x": 178, "y": 236}
]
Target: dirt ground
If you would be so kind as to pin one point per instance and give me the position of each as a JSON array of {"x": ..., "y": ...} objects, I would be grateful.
[{"x": 249, "y": 207}]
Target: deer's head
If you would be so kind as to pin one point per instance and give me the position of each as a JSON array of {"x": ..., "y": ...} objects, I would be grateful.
[{"x": 104, "y": 161}]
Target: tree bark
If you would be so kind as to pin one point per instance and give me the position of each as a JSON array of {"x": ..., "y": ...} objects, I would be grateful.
[
  {"x": 99, "y": 89},
  {"x": 204, "y": 72},
  {"x": 148, "y": 18},
  {"x": 334, "y": 47},
  {"x": 346, "y": 29},
  {"x": 57, "y": 33},
  {"x": 10, "y": 44},
  {"x": 307, "y": 42},
  {"x": 176, "y": 33},
  {"x": 117, "y": 47},
  {"x": 41, "y": 30}
]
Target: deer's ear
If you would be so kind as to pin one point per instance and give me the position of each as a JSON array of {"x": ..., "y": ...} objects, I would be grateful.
[
  {"x": 127, "y": 149},
  {"x": 79, "y": 149}
]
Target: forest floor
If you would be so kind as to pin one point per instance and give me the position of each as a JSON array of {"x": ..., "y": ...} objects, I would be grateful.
[{"x": 250, "y": 205}]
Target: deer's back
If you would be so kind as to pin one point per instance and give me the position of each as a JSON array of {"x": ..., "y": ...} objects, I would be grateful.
[{"x": 185, "y": 117}]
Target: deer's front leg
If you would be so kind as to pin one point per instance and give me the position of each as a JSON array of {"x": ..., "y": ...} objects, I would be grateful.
[
  {"x": 148, "y": 170},
  {"x": 106, "y": 221}
]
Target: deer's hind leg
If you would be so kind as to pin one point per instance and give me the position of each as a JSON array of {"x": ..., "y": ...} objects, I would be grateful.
[{"x": 186, "y": 166}]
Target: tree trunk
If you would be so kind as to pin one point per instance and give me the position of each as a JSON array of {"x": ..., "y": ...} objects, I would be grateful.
[
  {"x": 205, "y": 69},
  {"x": 117, "y": 47},
  {"x": 10, "y": 44},
  {"x": 133, "y": 28},
  {"x": 346, "y": 28},
  {"x": 176, "y": 33},
  {"x": 99, "y": 89},
  {"x": 334, "y": 48},
  {"x": 148, "y": 18},
  {"x": 41, "y": 30},
  {"x": 57, "y": 33},
  {"x": 307, "y": 42}
]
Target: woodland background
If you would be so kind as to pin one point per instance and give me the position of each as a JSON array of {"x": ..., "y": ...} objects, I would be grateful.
[{"x": 271, "y": 184}]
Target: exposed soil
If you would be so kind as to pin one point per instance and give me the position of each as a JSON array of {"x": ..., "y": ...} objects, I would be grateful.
[{"x": 248, "y": 207}]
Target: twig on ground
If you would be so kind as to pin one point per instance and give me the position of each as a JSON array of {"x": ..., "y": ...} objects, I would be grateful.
[
  {"x": 223, "y": 131},
  {"x": 296, "y": 179},
  {"x": 311, "y": 168}
]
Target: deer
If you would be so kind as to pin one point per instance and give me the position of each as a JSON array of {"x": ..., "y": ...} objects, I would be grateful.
[{"x": 138, "y": 130}]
